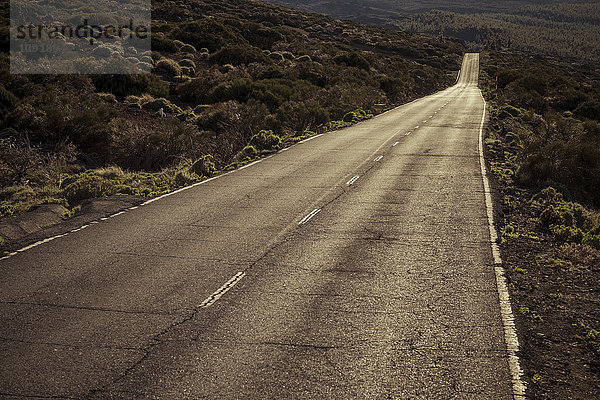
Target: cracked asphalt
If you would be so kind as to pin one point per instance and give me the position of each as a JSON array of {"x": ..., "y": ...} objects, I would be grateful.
[{"x": 387, "y": 292}]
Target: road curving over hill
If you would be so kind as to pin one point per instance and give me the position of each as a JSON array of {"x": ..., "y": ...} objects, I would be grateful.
[{"x": 355, "y": 265}]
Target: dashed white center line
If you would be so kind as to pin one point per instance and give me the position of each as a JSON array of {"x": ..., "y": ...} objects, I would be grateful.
[
  {"x": 351, "y": 181},
  {"x": 210, "y": 300},
  {"x": 378, "y": 158},
  {"x": 395, "y": 144},
  {"x": 417, "y": 127},
  {"x": 408, "y": 133},
  {"x": 309, "y": 216}
]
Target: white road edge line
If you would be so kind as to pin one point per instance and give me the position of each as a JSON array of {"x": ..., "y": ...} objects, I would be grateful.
[
  {"x": 310, "y": 138},
  {"x": 309, "y": 216},
  {"x": 510, "y": 332},
  {"x": 210, "y": 300},
  {"x": 352, "y": 180},
  {"x": 378, "y": 158}
]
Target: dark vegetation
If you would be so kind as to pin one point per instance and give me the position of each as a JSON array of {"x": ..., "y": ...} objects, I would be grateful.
[
  {"x": 543, "y": 143},
  {"x": 567, "y": 30},
  {"x": 235, "y": 79},
  {"x": 549, "y": 27},
  {"x": 550, "y": 111},
  {"x": 382, "y": 9}
]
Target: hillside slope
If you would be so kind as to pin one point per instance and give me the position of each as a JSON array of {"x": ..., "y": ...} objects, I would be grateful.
[
  {"x": 552, "y": 27},
  {"x": 236, "y": 79}
]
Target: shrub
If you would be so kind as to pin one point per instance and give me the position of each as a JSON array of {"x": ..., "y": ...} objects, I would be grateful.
[
  {"x": 238, "y": 90},
  {"x": 567, "y": 233},
  {"x": 239, "y": 55},
  {"x": 356, "y": 116},
  {"x": 508, "y": 111},
  {"x": 185, "y": 72},
  {"x": 160, "y": 42},
  {"x": 185, "y": 177},
  {"x": 353, "y": 59},
  {"x": 186, "y": 62},
  {"x": 265, "y": 140},
  {"x": 187, "y": 48},
  {"x": 108, "y": 97},
  {"x": 260, "y": 36},
  {"x": 124, "y": 85},
  {"x": 196, "y": 90},
  {"x": 591, "y": 240},
  {"x": 221, "y": 118},
  {"x": 207, "y": 33},
  {"x": 299, "y": 116},
  {"x": 201, "y": 108},
  {"x": 204, "y": 166},
  {"x": 250, "y": 151},
  {"x": 112, "y": 172},
  {"x": 247, "y": 153},
  {"x": 548, "y": 195},
  {"x": 395, "y": 87},
  {"x": 86, "y": 186},
  {"x": 187, "y": 115},
  {"x": 168, "y": 66},
  {"x": 8, "y": 102},
  {"x": 550, "y": 216},
  {"x": 276, "y": 56},
  {"x": 157, "y": 104}
]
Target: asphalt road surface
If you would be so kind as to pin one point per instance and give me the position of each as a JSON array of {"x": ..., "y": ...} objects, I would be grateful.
[{"x": 356, "y": 265}]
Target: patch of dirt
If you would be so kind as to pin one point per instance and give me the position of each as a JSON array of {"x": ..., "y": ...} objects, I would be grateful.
[
  {"x": 53, "y": 219},
  {"x": 554, "y": 288}
]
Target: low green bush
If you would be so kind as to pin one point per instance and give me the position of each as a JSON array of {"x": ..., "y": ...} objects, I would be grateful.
[
  {"x": 591, "y": 240},
  {"x": 356, "y": 116},
  {"x": 168, "y": 66},
  {"x": 239, "y": 55},
  {"x": 265, "y": 140},
  {"x": 567, "y": 233},
  {"x": 248, "y": 152},
  {"x": 108, "y": 97},
  {"x": 186, "y": 62},
  {"x": 187, "y": 48},
  {"x": 185, "y": 177},
  {"x": 131, "y": 84},
  {"x": 87, "y": 186},
  {"x": 157, "y": 104},
  {"x": 353, "y": 59},
  {"x": 204, "y": 166}
]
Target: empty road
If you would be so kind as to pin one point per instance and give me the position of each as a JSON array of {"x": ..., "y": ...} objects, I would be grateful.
[{"x": 355, "y": 265}]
